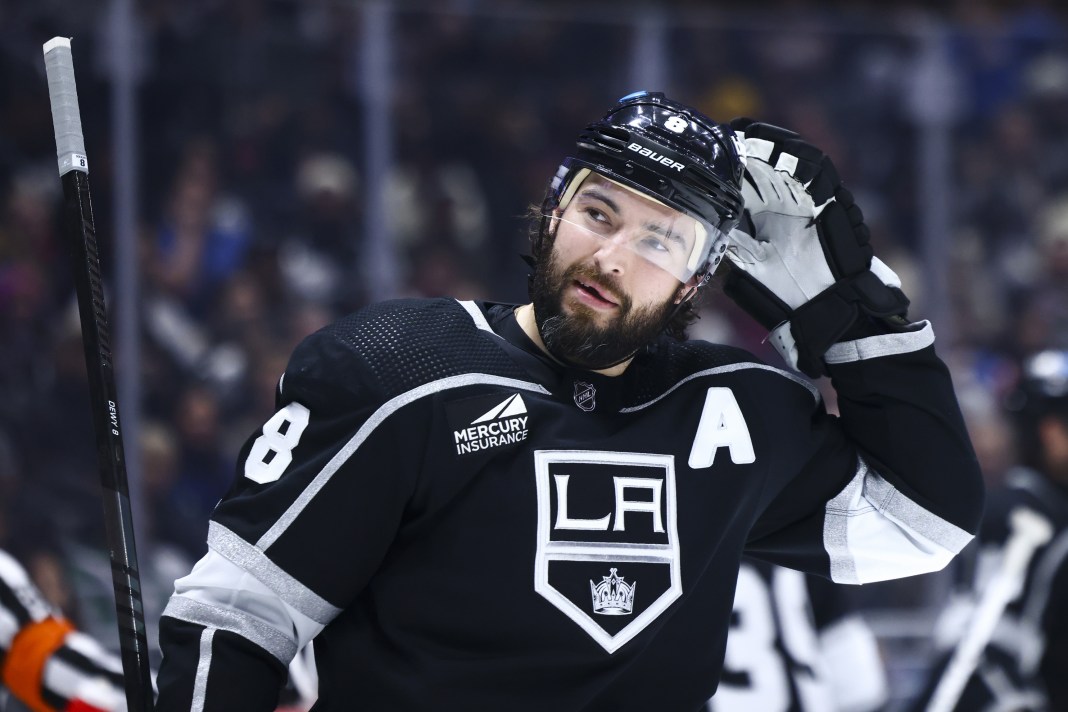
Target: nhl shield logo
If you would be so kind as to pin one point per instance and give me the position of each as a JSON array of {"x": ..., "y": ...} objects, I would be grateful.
[
  {"x": 585, "y": 396},
  {"x": 607, "y": 523}
]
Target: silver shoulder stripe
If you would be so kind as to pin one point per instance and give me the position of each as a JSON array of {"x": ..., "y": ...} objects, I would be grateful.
[
  {"x": 476, "y": 315},
  {"x": 237, "y": 622},
  {"x": 729, "y": 369},
  {"x": 385, "y": 410},
  {"x": 254, "y": 561}
]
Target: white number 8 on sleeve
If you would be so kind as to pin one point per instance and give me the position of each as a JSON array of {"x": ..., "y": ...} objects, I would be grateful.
[{"x": 272, "y": 451}]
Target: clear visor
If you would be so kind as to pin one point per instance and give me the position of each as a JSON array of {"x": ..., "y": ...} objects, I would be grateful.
[{"x": 663, "y": 237}]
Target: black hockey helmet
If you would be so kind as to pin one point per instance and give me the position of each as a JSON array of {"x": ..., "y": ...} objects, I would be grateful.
[
  {"x": 671, "y": 153},
  {"x": 1043, "y": 385},
  {"x": 1041, "y": 392}
]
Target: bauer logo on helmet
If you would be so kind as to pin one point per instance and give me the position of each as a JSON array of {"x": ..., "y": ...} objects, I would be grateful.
[{"x": 656, "y": 157}]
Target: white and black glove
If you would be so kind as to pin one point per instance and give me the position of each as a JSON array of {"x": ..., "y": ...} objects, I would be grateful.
[{"x": 802, "y": 264}]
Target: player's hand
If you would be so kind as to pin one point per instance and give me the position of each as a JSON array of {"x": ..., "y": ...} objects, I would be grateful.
[{"x": 802, "y": 264}]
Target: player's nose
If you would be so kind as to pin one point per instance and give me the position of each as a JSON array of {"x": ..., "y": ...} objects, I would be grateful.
[{"x": 613, "y": 255}]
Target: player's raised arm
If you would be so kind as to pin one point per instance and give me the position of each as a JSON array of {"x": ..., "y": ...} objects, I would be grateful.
[{"x": 802, "y": 266}]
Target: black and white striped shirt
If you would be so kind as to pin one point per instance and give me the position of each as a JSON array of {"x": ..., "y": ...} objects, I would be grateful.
[{"x": 45, "y": 663}]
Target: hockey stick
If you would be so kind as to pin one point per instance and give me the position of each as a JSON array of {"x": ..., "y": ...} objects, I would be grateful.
[
  {"x": 1029, "y": 532},
  {"x": 80, "y": 233}
]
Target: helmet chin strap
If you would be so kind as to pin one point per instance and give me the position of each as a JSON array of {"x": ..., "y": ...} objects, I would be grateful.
[{"x": 682, "y": 302}]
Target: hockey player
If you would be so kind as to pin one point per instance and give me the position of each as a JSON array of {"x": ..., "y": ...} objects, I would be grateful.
[
  {"x": 1013, "y": 652},
  {"x": 796, "y": 644},
  {"x": 480, "y": 506},
  {"x": 44, "y": 662}
]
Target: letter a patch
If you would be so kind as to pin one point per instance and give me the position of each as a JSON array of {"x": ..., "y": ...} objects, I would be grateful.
[{"x": 722, "y": 425}]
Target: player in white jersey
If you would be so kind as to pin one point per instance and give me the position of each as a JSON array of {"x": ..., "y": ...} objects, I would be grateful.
[
  {"x": 480, "y": 506},
  {"x": 796, "y": 644}
]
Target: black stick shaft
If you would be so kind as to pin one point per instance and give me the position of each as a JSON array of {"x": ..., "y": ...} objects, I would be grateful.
[{"x": 79, "y": 230}]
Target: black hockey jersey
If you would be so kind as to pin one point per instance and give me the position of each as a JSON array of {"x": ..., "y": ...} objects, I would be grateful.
[{"x": 462, "y": 525}]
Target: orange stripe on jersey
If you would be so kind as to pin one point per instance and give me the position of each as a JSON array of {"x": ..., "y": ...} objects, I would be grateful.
[
  {"x": 26, "y": 658},
  {"x": 79, "y": 706}
]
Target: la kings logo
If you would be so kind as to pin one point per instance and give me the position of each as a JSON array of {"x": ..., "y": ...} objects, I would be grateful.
[
  {"x": 477, "y": 429},
  {"x": 608, "y": 548}
]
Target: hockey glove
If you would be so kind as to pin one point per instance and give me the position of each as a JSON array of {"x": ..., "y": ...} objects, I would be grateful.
[{"x": 802, "y": 264}]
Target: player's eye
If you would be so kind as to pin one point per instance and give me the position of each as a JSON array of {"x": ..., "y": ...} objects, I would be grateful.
[
  {"x": 595, "y": 215},
  {"x": 596, "y": 220},
  {"x": 654, "y": 243}
]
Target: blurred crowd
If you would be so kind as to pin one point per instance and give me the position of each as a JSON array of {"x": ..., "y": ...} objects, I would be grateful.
[{"x": 252, "y": 202}]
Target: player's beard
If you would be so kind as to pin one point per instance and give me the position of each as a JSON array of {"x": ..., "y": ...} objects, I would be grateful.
[{"x": 578, "y": 338}]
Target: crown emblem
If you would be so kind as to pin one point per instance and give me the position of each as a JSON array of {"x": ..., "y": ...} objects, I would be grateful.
[{"x": 613, "y": 596}]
